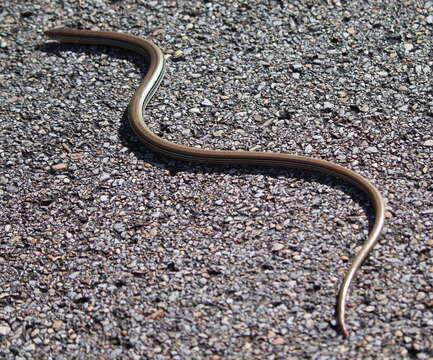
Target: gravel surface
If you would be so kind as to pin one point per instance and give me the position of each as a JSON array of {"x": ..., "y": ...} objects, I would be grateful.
[{"x": 110, "y": 251}]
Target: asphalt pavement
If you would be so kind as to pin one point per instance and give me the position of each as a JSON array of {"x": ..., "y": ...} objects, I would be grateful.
[{"x": 110, "y": 251}]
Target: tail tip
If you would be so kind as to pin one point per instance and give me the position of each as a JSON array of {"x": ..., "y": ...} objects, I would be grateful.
[{"x": 344, "y": 330}]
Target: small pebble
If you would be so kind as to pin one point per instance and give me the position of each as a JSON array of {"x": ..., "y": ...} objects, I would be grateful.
[
  {"x": 194, "y": 110},
  {"x": 408, "y": 47},
  {"x": 372, "y": 149},
  {"x": 277, "y": 247},
  {"x": 59, "y": 167},
  {"x": 327, "y": 106},
  {"x": 4, "y": 329},
  {"x": 278, "y": 341}
]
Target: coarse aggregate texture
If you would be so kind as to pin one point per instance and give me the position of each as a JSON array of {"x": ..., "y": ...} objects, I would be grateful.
[{"x": 110, "y": 251}]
